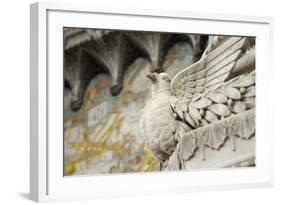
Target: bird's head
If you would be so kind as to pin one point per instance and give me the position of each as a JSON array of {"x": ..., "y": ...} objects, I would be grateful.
[{"x": 160, "y": 81}]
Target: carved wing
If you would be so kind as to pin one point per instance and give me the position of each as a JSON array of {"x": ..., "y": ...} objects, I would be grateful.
[
  {"x": 209, "y": 90},
  {"x": 211, "y": 71},
  {"x": 214, "y": 99}
]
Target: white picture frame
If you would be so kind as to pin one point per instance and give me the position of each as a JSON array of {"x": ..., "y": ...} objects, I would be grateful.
[{"x": 46, "y": 63}]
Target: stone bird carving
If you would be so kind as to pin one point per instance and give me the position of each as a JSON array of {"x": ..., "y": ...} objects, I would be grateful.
[{"x": 207, "y": 94}]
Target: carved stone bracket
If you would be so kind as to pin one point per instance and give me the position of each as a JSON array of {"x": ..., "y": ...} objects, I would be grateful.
[{"x": 213, "y": 136}]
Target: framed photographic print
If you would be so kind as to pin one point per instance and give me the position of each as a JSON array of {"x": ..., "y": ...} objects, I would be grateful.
[{"x": 128, "y": 102}]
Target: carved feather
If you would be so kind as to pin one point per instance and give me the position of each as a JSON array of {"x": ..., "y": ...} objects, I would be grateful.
[
  {"x": 189, "y": 120},
  {"x": 210, "y": 84},
  {"x": 187, "y": 95},
  {"x": 210, "y": 116},
  {"x": 202, "y": 103},
  {"x": 220, "y": 72},
  {"x": 191, "y": 77},
  {"x": 244, "y": 81},
  {"x": 228, "y": 52},
  {"x": 230, "y": 60},
  {"x": 220, "y": 109},
  {"x": 195, "y": 115},
  {"x": 250, "y": 92},
  {"x": 190, "y": 90},
  {"x": 217, "y": 97},
  {"x": 222, "y": 48},
  {"x": 232, "y": 93},
  {"x": 238, "y": 107},
  {"x": 201, "y": 82},
  {"x": 212, "y": 87},
  {"x": 199, "y": 89},
  {"x": 179, "y": 111},
  {"x": 201, "y": 74},
  {"x": 182, "y": 106},
  {"x": 190, "y": 84}
]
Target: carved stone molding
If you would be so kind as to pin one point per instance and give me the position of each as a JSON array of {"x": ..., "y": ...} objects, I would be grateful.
[{"x": 90, "y": 52}]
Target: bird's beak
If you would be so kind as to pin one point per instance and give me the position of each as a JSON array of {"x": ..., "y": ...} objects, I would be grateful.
[{"x": 152, "y": 77}]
